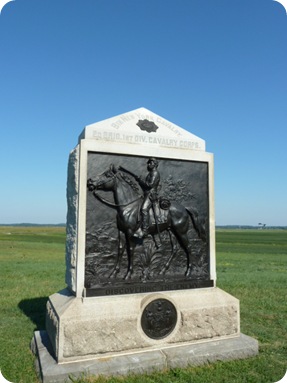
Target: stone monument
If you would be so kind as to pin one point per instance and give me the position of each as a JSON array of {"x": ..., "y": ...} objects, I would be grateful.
[{"x": 141, "y": 289}]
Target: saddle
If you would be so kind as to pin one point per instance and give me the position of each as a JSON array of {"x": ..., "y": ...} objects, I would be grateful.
[{"x": 158, "y": 213}]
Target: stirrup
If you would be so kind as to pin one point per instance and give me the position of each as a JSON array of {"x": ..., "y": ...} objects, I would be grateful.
[{"x": 139, "y": 233}]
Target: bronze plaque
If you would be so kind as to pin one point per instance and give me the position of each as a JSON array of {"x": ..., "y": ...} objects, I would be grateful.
[
  {"x": 159, "y": 319},
  {"x": 147, "y": 225}
]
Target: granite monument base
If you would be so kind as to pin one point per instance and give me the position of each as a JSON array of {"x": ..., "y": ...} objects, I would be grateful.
[
  {"x": 137, "y": 362},
  {"x": 123, "y": 334}
]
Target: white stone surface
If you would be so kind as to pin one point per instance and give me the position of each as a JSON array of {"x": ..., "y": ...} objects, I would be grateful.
[
  {"x": 85, "y": 327},
  {"x": 123, "y": 129}
]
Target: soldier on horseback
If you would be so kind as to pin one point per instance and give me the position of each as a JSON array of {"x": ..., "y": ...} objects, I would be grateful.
[
  {"x": 169, "y": 216},
  {"x": 149, "y": 186}
]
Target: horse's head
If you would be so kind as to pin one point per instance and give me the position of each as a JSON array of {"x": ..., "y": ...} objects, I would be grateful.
[{"x": 104, "y": 181}]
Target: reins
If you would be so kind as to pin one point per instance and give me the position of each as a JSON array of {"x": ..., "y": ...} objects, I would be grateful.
[{"x": 111, "y": 204}]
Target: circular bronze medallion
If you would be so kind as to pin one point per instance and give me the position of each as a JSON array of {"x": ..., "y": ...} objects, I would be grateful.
[{"x": 159, "y": 318}]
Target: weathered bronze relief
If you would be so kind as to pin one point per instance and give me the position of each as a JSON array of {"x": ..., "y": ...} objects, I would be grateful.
[
  {"x": 159, "y": 318},
  {"x": 148, "y": 126},
  {"x": 147, "y": 225}
]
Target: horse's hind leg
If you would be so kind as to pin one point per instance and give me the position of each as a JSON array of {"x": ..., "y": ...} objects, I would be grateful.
[
  {"x": 121, "y": 250},
  {"x": 130, "y": 252},
  {"x": 191, "y": 260},
  {"x": 173, "y": 251}
]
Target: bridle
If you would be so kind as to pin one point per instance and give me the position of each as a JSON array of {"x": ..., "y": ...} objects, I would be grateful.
[{"x": 108, "y": 203}]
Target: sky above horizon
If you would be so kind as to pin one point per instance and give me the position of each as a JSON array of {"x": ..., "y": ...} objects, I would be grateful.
[{"x": 217, "y": 68}]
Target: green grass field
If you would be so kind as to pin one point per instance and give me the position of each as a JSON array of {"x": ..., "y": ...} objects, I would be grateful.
[{"x": 251, "y": 265}]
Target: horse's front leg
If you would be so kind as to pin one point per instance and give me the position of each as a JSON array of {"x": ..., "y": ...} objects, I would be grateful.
[
  {"x": 130, "y": 252},
  {"x": 157, "y": 244},
  {"x": 121, "y": 250}
]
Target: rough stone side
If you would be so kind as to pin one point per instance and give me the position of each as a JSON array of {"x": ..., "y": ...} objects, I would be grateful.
[
  {"x": 52, "y": 327},
  {"x": 208, "y": 323},
  {"x": 114, "y": 334},
  {"x": 100, "y": 337},
  {"x": 107, "y": 327},
  {"x": 80, "y": 328},
  {"x": 72, "y": 218}
]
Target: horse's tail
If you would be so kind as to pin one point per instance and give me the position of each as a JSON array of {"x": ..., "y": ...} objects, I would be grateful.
[{"x": 198, "y": 224}]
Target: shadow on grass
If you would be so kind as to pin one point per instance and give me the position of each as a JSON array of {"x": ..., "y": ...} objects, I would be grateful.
[{"x": 35, "y": 309}]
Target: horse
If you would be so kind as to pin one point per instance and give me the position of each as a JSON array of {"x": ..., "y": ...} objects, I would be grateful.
[{"x": 127, "y": 202}]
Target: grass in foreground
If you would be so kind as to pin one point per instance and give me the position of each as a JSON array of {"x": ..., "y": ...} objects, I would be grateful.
[
  {"x": 31, "y": 269},
  {"x": 251, "y": 265}
]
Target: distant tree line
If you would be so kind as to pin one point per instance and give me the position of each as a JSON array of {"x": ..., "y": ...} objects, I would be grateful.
[
  {"x": 260, "y": 226},
  {"x": 34, "y": 224},
  {"x": 251, "y": 227}
]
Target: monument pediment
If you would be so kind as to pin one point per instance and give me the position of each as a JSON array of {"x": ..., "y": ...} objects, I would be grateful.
[{"x": 143, "y": 127}]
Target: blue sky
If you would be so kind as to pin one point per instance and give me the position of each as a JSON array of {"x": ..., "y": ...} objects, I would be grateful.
[{"x": 217, "y": 68}]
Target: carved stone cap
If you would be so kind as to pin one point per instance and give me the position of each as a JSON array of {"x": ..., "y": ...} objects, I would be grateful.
[{"x": 142, "y": 127}]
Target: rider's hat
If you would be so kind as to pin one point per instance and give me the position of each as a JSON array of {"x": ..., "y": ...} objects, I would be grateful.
[{"x": 152, "y": 159}]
